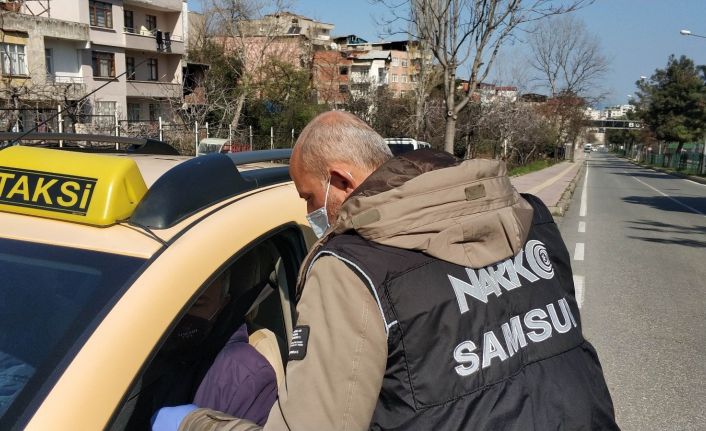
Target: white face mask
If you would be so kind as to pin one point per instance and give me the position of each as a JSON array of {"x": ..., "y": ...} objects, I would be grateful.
[{"x": 318, "y": 219}]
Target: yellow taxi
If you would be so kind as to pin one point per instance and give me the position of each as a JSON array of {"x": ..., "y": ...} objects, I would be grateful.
[{"x": 103, "y": 256}]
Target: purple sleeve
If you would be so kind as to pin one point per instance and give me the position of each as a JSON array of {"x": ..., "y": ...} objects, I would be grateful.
[{"x": 240, "y": 383}]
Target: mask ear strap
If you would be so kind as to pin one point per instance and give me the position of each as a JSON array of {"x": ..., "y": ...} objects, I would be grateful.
[{"x": 328, "y": 186}]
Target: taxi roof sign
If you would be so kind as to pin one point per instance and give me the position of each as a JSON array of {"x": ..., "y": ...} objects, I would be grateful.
[{"x": 85, "y": 188}]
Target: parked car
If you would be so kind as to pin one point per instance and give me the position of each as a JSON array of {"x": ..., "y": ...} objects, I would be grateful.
[
  {"x": 101, "y": 257},
  {"x": 219, "y": 145},
  {"x": 587, "y": 148},
  {"x": 403, "y": 145}
]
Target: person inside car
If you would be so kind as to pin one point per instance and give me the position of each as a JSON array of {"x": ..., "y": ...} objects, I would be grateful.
[{"x": 243, "y": 379}]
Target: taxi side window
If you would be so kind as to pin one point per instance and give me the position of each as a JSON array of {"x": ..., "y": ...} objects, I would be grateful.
[{"x": 256, "y": 287}]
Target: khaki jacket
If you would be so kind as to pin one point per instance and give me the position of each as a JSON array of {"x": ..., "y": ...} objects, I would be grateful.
[{"x": 465, "y": 212}]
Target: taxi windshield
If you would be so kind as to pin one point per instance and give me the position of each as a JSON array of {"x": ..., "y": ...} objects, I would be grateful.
[{"x": 52, "y": 299}]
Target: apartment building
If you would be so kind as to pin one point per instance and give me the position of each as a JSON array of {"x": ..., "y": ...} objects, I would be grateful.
[
  {"x": 392, "y": 64},
  {"x": 402, "y": 74},
  {"x": 134, "y": 54},
  {"x": 288, "y": 23},
  {"x": 618, "y": 111},
  {"x": 491, "y": 93},
  {"x": 331, "y": 77},
  {"x": 41, "y": 67}
]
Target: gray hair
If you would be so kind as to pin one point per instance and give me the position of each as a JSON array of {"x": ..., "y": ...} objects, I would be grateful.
[{"x": 338, "y": 136}]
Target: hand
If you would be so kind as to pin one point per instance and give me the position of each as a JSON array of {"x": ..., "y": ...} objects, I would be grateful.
[{"x": 169, "y": 418}]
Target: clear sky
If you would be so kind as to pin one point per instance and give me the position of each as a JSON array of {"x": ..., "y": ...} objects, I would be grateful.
[{"x": 636, "y": 35}]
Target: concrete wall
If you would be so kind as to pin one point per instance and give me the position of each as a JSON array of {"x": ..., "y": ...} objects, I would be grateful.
[{"x": 68, "y": 10}]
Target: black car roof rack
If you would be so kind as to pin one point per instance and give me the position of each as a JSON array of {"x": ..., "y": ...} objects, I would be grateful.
[
  {"x": 202, "y": 181},
  {"x": 246, "y": 157},
  {"x": 134, "y": 145}
]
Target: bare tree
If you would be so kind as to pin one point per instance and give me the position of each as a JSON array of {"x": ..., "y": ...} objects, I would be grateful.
[
  {"x": 469, "y": 33},
  {"x": 569, "y": 63},
  {"x": 567, "y": 58}
]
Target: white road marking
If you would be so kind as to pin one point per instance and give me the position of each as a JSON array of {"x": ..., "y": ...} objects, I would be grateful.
[
  {"x": 579, "y": 289},
  {"x": 694, "y": 210},
  {"x": 578, "y": 252},
  {"x": 694, "y": 182},
  {"x": 582, "y": 226},
  {"x": 584, "y": 196},
  {"x": 664, "y": 174}
]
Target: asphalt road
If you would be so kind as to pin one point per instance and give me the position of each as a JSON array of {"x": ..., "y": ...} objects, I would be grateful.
[{"x": 640, "y": 276}]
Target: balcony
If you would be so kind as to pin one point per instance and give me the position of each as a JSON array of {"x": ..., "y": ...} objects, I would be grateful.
[
  {"x": 148, "y": 41},
  {"x": 162, "y": 5},
  {"x": 68, "y": 84},
  {"x": 153, "y": 89},
  {"x": 58, "y": 79}
]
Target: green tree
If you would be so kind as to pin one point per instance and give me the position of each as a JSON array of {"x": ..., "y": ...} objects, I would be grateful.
[
  {"x": 672, "y": 103},
  {"x": 284, "y": 99}
]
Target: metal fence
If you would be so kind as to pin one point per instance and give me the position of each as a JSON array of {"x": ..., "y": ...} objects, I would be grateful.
[
  {"x": 691, "y": 160},
  {"x": 688, "y": 163},
  {"x": 184, "y": 137}
]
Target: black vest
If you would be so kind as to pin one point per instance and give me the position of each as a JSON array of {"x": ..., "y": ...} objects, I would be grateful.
[{"x": 497, "y": 348}]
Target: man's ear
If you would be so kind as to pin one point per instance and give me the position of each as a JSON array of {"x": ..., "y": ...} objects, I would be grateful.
[{"x": 342, "y": 180}]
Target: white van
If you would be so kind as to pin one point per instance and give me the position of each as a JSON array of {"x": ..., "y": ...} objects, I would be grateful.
[{"x": 403, "y": 145}]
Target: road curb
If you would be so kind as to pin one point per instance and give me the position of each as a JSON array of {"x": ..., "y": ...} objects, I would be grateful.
[
  {"x": 694, "y": 178},
  {"x": 565, "y": 200}
]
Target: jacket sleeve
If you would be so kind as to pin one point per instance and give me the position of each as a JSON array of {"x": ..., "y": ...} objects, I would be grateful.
[{"x": 337, "y": 383}]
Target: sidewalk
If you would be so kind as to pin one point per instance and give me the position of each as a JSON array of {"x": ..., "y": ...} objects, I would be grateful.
[{"x": 553, "y": 185}]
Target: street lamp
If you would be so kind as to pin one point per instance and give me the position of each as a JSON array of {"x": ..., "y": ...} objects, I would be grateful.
[{"x": 689, "y": 33}]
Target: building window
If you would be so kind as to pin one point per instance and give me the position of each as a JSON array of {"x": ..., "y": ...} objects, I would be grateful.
[
  {"x": 343, "y": 70},
  {"x": 129, "y": 21},
  {"x": 101, "y": 14},
  {"x": 394, "y": 78},
  {"x": 13, "y": 59},
  {"x": 395, "y": 62},
  {"x": 403, "y": 78},
  {"x": 151, "y": 23},
  {"x": 155, "y": 111},
  {"x": 133, "y": 112},
  {"x": 130, "y": 68},
  {"x": 152, "y": 65},
  {"x": 105, "y": 112},
  {"x": 413, "y": 78},
  {"x": 343, "y": 89},
  {"x": 404, "y": 63},
  {"x": 103, "y": 64},
  {"x": 49, "y": 60}
]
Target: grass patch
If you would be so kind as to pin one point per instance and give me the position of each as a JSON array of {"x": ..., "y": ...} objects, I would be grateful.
[{"x": 537, "y": 165}]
